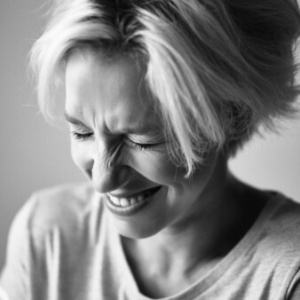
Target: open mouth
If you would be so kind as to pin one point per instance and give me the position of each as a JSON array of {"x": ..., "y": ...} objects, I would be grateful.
[
  {"x": 134, "y": 199},
  {"x": 126, "y": 206}
]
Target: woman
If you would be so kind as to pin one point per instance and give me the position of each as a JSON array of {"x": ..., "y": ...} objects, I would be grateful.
[{"x": 158, "y": 95}]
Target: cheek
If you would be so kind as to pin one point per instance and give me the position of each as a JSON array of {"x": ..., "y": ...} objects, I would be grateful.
[
  {"x": 157, "y": 167},
  {"x": 162, "y": 170}
]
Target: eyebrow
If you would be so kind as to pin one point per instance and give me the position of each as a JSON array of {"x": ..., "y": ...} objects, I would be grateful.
[
  {"x": 73, "y": 120},
  {"x": 138, "y": 131},
  {"x": 141, "y": 131}
]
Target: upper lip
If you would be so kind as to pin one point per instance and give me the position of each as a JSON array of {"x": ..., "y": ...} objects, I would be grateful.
[{"x": 130, "y": 194}]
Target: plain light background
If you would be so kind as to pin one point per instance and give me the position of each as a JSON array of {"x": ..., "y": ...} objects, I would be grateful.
[{"x": 35, "y": 155}]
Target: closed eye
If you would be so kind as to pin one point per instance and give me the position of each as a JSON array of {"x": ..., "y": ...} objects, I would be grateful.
[
  {"x": 142, "y": 146},
  {"x": 81, "y": 136}
]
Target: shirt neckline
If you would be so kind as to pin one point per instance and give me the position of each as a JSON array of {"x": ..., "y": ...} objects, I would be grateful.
[{"x": 210, "y": 278}]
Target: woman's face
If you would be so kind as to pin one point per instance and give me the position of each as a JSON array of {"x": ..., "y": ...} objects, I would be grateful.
[{"x": 118, "y": 142}]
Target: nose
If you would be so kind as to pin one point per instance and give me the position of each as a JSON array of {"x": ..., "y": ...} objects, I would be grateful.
[
  {"x": 106, "y": 179},
  {"x": 108, "y": 171}
]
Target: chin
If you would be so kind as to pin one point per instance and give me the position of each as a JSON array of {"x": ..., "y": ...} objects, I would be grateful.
[{"x": 137, "y": 231}]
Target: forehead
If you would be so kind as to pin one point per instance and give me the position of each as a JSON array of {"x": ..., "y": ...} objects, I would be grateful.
[
  {"x": 100, "y": 75},
  {"x": 109, "y": 92}
]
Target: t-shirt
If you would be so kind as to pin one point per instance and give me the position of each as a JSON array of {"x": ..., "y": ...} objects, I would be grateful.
[{"x": 63, "y": 246}]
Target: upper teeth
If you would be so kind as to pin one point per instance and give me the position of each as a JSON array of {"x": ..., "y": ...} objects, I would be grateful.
[{"x": 124, "y": 202}]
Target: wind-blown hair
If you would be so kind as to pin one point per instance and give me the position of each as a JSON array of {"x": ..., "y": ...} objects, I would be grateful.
[{"x": 216, "y": 69}]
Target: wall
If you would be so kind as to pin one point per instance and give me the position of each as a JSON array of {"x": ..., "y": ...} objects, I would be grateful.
[{"x": 35, "y": 155}]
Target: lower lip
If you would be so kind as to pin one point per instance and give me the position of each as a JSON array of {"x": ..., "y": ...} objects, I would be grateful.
[{"x": 132, "y": 209}]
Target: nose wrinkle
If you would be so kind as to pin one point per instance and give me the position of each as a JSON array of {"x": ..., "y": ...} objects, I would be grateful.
[
  {"x": 110, "y": 155},
  {"x": 107, "y": 170}
]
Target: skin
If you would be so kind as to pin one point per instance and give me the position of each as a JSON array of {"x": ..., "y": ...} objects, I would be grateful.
[{"x": 202, "y": 217}]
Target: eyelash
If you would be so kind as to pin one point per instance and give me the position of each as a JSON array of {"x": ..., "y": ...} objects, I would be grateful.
[
  {"x": 141, "y": 146},
  {"x": 84, "y": 136},
  {"x": 81, "y": 136}
]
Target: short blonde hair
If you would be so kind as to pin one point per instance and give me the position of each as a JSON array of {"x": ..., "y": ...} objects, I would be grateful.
[{"x": 217, "y": 69}]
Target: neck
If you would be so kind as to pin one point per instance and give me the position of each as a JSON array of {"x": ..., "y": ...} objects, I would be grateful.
[
  {"x": 199, "y": 237},
  {"x": 177, "y": 256},
  {"x": 207, "y": 235}
]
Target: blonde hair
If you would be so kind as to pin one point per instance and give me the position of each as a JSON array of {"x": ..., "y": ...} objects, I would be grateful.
[{"x": 217, "y": 69}]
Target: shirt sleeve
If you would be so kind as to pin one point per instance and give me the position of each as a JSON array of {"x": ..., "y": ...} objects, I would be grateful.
[{"x": 20, "y": 278}]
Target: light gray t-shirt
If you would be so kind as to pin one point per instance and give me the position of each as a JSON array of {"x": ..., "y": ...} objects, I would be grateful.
[{"x": 63, "y": 246}]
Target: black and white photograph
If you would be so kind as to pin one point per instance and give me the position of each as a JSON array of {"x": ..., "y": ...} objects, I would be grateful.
[{"x": 150, "y": 149}]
